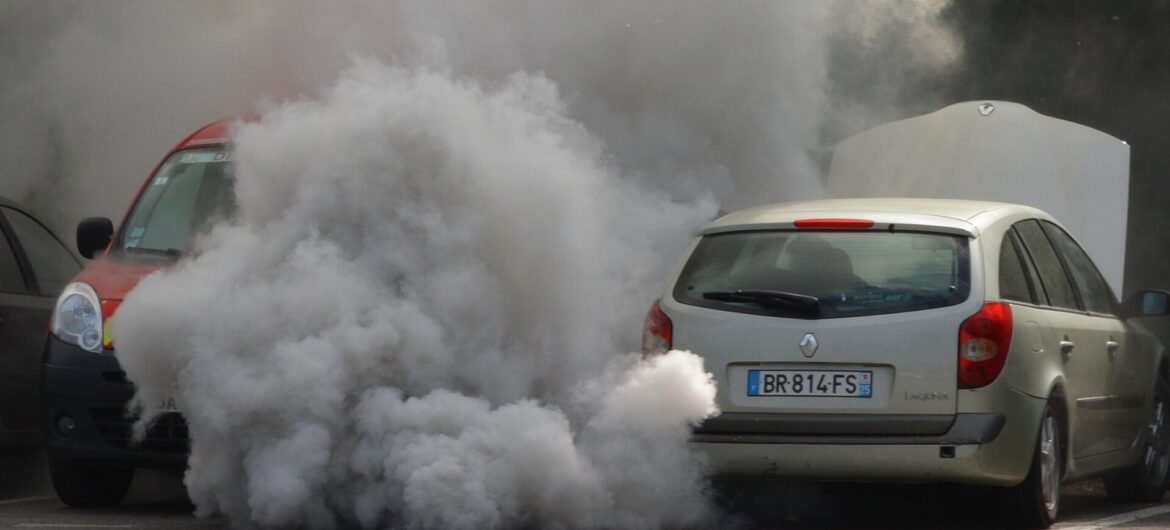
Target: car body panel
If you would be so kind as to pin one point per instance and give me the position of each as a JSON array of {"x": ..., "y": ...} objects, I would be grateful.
[
  {"x": 1104, "y": 396},
  {"x": 999, "y": 151},
  {"x": 93, "y": 391},
  {"x": 1088, "y": 371},
  {"x": 731, "y": 343},
  {"x": 1106, "y": 416},
  {"x": 944, "y": 217},
  {"x": 995, "y": 463},
  {"x": 112, "y": 277},
  {"x": 25, "y": 319}
]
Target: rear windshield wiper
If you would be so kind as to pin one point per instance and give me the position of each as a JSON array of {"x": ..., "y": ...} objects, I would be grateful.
[
  {"x": 809, "y": 305},
  {"x": 168, "y": 252}
]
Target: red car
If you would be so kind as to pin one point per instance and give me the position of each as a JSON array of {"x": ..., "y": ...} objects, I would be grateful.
[{"x": 92, "y": 456}]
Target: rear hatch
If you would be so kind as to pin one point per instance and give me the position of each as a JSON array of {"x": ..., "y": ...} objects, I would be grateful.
[{"x": 827, "y": 330}]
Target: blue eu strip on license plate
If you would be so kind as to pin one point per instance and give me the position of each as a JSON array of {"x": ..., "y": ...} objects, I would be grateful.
[{"x": 812, "y": 383}]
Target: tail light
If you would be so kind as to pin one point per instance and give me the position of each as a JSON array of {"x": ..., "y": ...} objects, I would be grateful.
[
  {"x": 984, "y": 339},
  {"x": 657, "y": 332}
]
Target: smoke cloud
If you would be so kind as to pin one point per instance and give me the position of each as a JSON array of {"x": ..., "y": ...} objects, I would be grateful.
[
  {"x": 740, "y": 102},
  {"x": 452, "y": 218},
  {"x": 418, "y": 315}
]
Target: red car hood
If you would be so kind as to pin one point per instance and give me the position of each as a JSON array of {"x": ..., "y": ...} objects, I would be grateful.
[{"x": 112, "y": 278}]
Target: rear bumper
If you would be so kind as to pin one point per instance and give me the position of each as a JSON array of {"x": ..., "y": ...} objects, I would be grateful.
[
  {"x": 92, "y": 391},
  {"x": 851, "y": 429},
  {"x": 985, "y": 448}
]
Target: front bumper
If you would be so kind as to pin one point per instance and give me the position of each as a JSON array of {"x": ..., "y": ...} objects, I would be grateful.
[
  {"x": 992, "y": 449},
  {"x": 92, "y": 390}
]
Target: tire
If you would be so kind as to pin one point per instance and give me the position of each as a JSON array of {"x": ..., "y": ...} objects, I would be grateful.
[
  {"x": 1147, "y": 480},
  {"x": 1035, "y": 502},
  {"x": 84, "y": 486}
]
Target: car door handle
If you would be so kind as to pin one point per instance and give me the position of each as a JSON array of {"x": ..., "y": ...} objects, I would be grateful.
[
  {"x": 1066, "y": 349},
  {"x": 1112, "y": 347}
]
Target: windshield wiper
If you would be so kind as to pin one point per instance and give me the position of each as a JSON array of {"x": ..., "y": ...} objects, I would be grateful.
[
  {"x": 809, "y": 305},
  {"x": 168, "y": 252}
]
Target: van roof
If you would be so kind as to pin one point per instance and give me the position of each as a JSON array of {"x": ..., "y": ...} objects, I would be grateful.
[{"x": 218, "y": 132}]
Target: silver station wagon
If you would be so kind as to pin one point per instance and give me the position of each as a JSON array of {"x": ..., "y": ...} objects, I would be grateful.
[{"x": 919, "y": 340}]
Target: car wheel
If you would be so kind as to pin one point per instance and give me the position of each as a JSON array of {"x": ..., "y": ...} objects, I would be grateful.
[
  {"x": 1147, "y": 480},
  {"x": 1036, "y": 500},
  {"x": 85, "y": 486}
]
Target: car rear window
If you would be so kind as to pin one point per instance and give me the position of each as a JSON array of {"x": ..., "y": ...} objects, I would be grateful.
[{"x": 825, "y": 274}]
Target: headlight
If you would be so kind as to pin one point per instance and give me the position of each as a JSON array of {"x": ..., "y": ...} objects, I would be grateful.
[{"x": 77, "y": 318}]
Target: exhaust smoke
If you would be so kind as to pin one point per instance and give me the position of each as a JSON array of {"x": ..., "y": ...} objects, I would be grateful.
[
  {"x": 416, "y": 319},
  {"x": 419, "y": 315}
]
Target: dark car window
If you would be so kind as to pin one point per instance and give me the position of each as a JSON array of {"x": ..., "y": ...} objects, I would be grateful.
[
  {"x": 53, "y": 265},
  {"x": 1052, "y": 276},
  {"x": 1094, "y": 291},
  {"x": 10, "y": 278},
  {"x": 1038, "y": 293},
  {"x": 1013, "y": 280},
  {"x": 191, "y": 191},
  {"x": 825, "y": 274}
]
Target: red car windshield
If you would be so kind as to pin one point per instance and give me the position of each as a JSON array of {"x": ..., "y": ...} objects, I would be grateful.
[{"x": 191, "y": 191}]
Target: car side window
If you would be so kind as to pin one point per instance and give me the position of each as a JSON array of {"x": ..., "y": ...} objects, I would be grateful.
[
  {"x": 1013, "y": 281},
  {"x": 1094, "y": 291},
  {"x": 1052, "y": 276},
  {"x": 53, "y": 265},
  {"x": 10, "y": 278},
  {"x": 1030, "y": 269}
]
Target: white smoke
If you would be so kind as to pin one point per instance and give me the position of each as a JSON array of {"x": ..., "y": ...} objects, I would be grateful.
[
  {"x": 417, "y": 318},
  {"x": 690, "y": 97},
  {"x": 421, "y": 316}
]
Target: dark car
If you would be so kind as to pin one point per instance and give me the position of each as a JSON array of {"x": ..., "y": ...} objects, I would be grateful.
[{"x": 34, "y": 266}]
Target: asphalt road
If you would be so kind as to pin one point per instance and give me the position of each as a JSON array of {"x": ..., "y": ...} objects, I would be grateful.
[
  {"x": 922, "y": 507},
  {"x": 157, "y": 501}
]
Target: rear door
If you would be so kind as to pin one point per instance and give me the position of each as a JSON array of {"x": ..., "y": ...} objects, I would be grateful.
[
  {"x": 1036, "y": 342},
  {"x": 1123, "y": 368},
  {"x": 889, "y": 306},
  {"x": 23, "y": 322},
  {"x": 1080, "y": 338}
]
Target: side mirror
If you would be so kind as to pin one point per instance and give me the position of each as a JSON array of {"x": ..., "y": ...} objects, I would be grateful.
[
  {"x": 1148, "y": 304},
  {"x": 94, "y": 235}
]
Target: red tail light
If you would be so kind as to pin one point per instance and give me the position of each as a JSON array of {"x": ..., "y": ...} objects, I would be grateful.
[
  {"x": 984, "y": 339},
  {"x": 657, "y": 332},
  {"x": 835, "y": 224}
]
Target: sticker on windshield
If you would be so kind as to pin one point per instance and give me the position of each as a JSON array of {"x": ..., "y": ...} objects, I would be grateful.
[
  {"x": 132, "y": 243},
  {"x": 137, "y": 232},
  {"x": 205, "y": 157},
  {"x": 161, "y": 180}
]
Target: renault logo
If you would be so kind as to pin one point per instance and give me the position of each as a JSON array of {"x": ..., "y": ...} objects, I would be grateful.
[{"x": 808, "y": 345}]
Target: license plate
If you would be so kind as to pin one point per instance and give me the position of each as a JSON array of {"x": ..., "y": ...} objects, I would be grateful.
[{"x": 831, "y": 383}]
